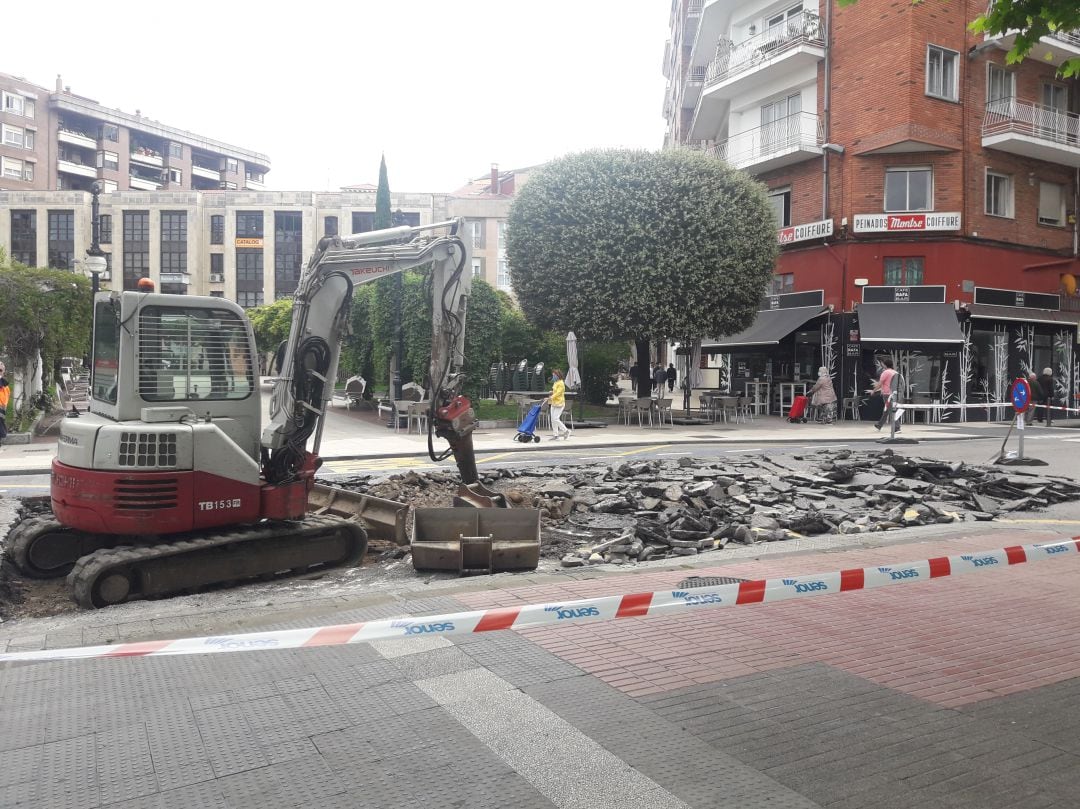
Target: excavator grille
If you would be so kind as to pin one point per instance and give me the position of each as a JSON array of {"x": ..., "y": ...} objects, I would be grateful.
[
  {"x": 148, "y": 449},
  {"x": 132, "y": 494}
]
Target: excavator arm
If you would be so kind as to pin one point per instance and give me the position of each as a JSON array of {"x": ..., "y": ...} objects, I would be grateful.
[{"x": 320, "y": 318}]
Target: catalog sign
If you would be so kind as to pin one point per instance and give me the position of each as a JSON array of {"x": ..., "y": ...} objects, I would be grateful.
[
  {"x": 901, "y": 222},
  {"x": 802, "y": 233}
]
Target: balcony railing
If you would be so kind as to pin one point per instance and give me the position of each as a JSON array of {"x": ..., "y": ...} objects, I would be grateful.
[
  {"x": 1069, "y": 37},
  {"x": 804, "y": 28},
  {"x": 795, "y": 133},
  {"x": 697, "y": 75},
  {"x": 1016, "y": 116}
]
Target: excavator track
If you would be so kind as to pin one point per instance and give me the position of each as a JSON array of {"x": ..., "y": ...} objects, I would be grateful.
[
  {"x": 115, "y": 575},
  {"x": 42, "y": 548}
]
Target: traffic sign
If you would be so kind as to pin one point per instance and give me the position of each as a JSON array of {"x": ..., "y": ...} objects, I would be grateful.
[{"x": 1021, "y": 395}]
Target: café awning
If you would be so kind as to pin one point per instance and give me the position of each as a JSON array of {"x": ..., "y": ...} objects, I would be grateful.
[
  {"x": 768, "y": 329},
  {"x": 1024, "y": 314},
  {"x": 908, "y": 323}
]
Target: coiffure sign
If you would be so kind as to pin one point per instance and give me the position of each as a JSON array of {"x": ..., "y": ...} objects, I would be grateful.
[
  {"x": 802, "y": 233},
  {"x": 901, "y": 222}
]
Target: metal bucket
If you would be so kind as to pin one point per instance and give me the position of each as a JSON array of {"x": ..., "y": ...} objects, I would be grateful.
[
  {"x": 472, "y": 541},
  {"x": 383, "y": 519}
]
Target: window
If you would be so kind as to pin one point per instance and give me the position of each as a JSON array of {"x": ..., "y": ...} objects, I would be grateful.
[
  {"x": 110, "y": 186},
  {"x": 217, "y": 229},
  {"x": 783, "y": 283},
  {"x": 780, "y": 200},
  {"x": 108, "y": 160},
  {"x": 110, "y": 132},
  {"x": 176, "y": 176},
  {"x": 217, "y": 293},
  {"x": 18, "y": 105},
  {"x": 217, "y": 263},
  {"x": 105, "y": 229},
  {"x": 288, "y": 261},
  {"x": 174, "y": 242},
  {"x": 476, "y": 231},
  {"x": 941, "y": 72},
  {"x": 779, "y": 129},
  {"x": 503, "y": 281},
  {"x": 136, "y": 226},
  {"x": 1051, "y": 204},
  {"x": 13, "y": 169},
  {"x": 213, "y": 361},
  {"x": 176, "y": 150},
  {"x": 249, "y": 224},
  {"x": 61, "y": 240},
  {"x": 363, "y": 221},
  {"x": 999, "y": 194},
  {"x": 1055, "y": 96},
  {"x": 249, "y": 267},
  {"x": 1000, "y": 83},
  {"x": 909, "y": 188},
  {"x": 24, "y": 237},
  {"x": 249, "y": 299},
  {"x": 478, "y": 268},
  {"x": 136, "y": 247},
  {"x": 904, "y": 272},
  {"x": 330, "y": 226},
  {"x": 232, "y": 165},
  {"x": 254, "y": 176},
  {"x": 502, "y": 235},
  {"x": 16, "y": 136}
]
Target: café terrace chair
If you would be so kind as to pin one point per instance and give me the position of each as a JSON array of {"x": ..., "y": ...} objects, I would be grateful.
[
  {"x": 663, "y": 410},
  {"x": 643, "y": 407}
]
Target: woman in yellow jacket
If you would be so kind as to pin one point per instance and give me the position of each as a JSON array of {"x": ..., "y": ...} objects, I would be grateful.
[{"x": 557, "y": 401}]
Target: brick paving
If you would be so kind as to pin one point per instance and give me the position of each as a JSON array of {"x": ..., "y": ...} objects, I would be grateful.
[{"x": 962, "y": 692}]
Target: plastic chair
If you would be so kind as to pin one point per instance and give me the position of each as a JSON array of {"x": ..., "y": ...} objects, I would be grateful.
[
  {"x": 626, "y": 409},
  {"x": 401, "y": 412},
  {"x": 418, "y": 412},
  {"x": 851, "y": 408},
  {"x": 663, "y": 409},
  {"x": 643, "y": 406}
]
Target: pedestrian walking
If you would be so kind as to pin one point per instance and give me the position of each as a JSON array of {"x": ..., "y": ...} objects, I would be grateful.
[
  {"x": 886, "y": 386},
  {"x": 672, "y": 375},
  {"x": 1046, "y": 383},
  {"x": 634, "y": 377},
  {"x": 5, "y": 399},
  {"x": 659, "y": 377},
  {"x": 823, "y": 397},
  {"x": 556, "y": 401}
]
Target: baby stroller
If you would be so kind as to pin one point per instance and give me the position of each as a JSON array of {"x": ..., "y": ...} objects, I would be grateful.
[{"x": 527, "y": 431}]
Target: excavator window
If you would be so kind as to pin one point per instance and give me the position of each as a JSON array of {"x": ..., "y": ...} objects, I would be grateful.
[
  {"x": 188, "y": 353},
  {"x": 106, "y": 351}
]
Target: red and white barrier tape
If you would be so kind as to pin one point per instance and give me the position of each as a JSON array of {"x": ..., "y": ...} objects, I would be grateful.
[{"x": 606, "y": 608}]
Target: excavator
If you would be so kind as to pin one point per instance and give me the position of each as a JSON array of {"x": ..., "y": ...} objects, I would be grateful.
[{"x": 169, "y": 482}]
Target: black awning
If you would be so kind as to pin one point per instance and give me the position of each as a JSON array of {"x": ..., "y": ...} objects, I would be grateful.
[
  {"x": 768, "y": 329},
  {"x": 1024, "y": 314},
  {"x": 908, "y": 323}
]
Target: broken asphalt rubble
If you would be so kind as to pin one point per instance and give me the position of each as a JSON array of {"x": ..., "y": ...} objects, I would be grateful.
[{"x": 652, "y": 509}]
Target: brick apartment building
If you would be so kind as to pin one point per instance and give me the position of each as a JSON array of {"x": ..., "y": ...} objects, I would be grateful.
[
  {"x": 60, "y": 141},
  {"x": 926, "y": 192}
]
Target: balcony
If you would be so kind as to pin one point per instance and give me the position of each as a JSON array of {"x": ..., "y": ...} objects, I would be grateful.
[
  {"x": 1032, "y": 130},
  {"x": 205, "y": 173},
  {"x": 140, "y": 184},
  {"x": 1055, "y": 48},
  {"x": 147, "y": 157},
  {"x": 176, "y": 278},
  {"x": 75, "y": 167},
  {"x": 692, "y": 18},
  {"x": 695, "y": 80},
  {"x": 798, "y": 42},
  {"x": 780, "y": 143},
  {"x": 75, "y": 138}
]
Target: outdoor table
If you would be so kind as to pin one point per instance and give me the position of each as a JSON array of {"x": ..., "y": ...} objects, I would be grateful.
[{"x": 758, "y": 395}]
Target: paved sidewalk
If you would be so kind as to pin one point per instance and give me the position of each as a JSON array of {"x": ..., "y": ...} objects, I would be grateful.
[
  {"x": 951, "y": 693},
  {"x": 347, "y": 437}
]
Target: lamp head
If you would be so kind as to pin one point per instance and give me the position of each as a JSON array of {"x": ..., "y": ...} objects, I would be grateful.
[{"x": 93, "y": 265}]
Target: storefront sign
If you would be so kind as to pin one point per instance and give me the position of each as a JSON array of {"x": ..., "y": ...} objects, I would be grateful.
[
  {"x": 802, "y": 233},
  {"x": 930, "y": 293},
  {"x": 1017, "y": 297},
  {"x": 901, "y": 222},
  {"x": 252, "y": 243},
  {"x": 853, "y": 349},
  {"x": 793, "y": 300}
]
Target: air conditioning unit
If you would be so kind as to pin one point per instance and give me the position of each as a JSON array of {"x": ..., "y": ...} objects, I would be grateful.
[{"x": 217, "y": 278}]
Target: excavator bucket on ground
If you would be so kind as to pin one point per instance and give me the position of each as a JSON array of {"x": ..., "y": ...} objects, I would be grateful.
[
  {"x": 475, "y": 541},
  {"x": 383, "y": 519}
]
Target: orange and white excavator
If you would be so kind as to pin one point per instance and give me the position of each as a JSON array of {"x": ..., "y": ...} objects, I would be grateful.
[{"x": 171, "y": 482}]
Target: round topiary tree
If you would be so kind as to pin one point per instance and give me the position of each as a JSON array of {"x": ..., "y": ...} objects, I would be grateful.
[{"x": 621, "y": 244}]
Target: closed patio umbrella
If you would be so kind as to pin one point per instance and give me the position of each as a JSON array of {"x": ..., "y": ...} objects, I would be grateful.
[{"x": 573, "y": 376}]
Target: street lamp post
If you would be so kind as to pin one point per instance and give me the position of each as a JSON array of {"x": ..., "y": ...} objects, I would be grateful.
[
  {"x": 95, "y": 263},
  {"x": 398, "y": 219}
]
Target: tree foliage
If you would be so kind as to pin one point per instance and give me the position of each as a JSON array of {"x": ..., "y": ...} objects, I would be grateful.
[
  {"x": 42, "y": 310},
  {"x": 637, "y": 245},
  {"x": 483, "y": 333},
  {"x": 1033, "y": 19},
  {"x": 271, "y": 324}
]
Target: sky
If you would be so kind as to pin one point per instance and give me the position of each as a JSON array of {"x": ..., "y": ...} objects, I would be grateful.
[{"x": 443, "y": 89}]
